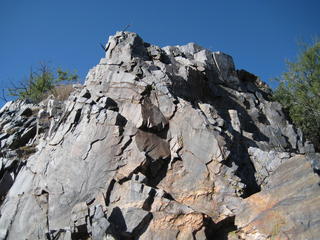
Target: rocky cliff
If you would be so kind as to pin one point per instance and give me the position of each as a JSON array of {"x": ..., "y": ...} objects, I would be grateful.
[{"x": 159, "y": 143}]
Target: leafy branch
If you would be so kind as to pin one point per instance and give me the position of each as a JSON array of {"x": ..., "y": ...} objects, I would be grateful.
[{"x": 40, "y": 83}]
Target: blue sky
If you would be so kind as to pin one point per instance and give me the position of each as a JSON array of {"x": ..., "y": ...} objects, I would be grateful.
[{"x": 259, "y": 34}]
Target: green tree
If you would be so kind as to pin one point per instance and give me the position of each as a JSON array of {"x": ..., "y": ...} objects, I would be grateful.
[
  {"x": 40, "y": 83},
  {"x": 299, "y": 92}
]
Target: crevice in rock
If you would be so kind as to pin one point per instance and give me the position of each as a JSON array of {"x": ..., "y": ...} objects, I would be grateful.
[
  {"x": 238, "y": 144},
  {"x": 112, "y": 105},
  {"x": 19, "y": 166},
  {"x": 175, "y": 102},
  {"x": 54, "y": 234},
  {"x": 8, "y": 176},
  {"x": 77, "y": 118},
  {"x": 86, "y": 94},
  {"x": 47, "y": 214},
  {"x": 168, "y": 196},
  {"x": 23, "y": 139},
  {"x": 245, "y": 172},
  {"x": 81, "y": 233},
  {"x": 125, "y": 145},
  {"x": 125, "y": 179},
  {"x": 6, "y": 183},
  {"x": 57, "y": 234},
  {"x": 142, "y": 227},
  {"x": 288, "y": 147},
  {"x": 90, "y": 201},
  {"x": 121, "y": 121},
  {"x": 118, "y": 225},
  {"x": 219, "y": 230},
  {"x": 90, "y": 147},
  {"x": 262, "y": 118},
  {"x": 246, "y": 103},
  {"x": 258, "y": 100},
  {"x": 129, "y": 177},
  {"x": 147, "y": 91},
  {"x": 109, "y": 190},
  {"x": 155, "y": 171},
  {"x": 240, "y": 157},
  {"x": 148, "y": 202},
  {"x": 178, "y": 158},
  {"x": 2, "y": 170}
]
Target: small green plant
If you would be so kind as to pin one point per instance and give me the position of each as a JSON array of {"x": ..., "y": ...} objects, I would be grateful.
[
  {"x": 233, "y": 235},
  {"x": 40, "y": 83}
]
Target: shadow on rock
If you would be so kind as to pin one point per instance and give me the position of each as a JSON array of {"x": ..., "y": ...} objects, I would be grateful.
[{"x": 220, "y": 230}]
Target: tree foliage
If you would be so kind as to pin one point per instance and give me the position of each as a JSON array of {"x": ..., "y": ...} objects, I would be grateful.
[
  {"x": 299, "y": 92},
  {"x": 40, "y": 83}
]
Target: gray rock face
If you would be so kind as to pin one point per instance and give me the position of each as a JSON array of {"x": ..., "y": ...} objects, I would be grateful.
[
  {"x": 287, "y": 208},
  {"x": 160, "y": 143}
]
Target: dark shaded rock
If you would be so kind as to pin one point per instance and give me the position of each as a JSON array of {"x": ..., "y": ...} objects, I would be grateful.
[
  {"x": 152, "y": 117},
  {"x": 26, "y": 112},
  {"x": 6, "y": 182},
  {"x": 85, "y": 93},
  {"x": 246, "y": 76},
  {"x": 153, "y": 146}
]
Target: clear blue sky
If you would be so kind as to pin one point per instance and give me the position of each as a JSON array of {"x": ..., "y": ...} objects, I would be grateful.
[{"x": 259, "y": 34}]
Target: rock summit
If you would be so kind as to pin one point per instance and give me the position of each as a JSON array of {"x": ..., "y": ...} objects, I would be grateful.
[{"x": 159, "y": 143}]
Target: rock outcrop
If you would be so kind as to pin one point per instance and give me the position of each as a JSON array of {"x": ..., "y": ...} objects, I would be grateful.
[{"x": 159, "y": 143}]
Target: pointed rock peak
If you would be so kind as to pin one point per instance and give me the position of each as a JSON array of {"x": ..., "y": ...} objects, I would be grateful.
[{"x": 123, "y": 46}]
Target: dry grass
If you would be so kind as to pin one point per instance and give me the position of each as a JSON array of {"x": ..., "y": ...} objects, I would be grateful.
[
  {"x": 25, "y": 152},
  {"x": 62, "y": 92}
]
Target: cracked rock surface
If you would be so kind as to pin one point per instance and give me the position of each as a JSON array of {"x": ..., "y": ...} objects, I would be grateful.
[{"x": 159, "y": 143}]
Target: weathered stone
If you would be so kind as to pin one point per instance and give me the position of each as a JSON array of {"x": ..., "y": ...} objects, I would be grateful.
[
  {"x": 170, "y": 143},
  {"x": 226, "y": 68},
  {"x": 152, "y": 116},
  {"x": 134, "y": 217},
  {"x": 265, "y": 163},
  {"x": 99, "y": 228},
  {"x": 287, "y": 208},
  {"x": 153, "y": 146}
]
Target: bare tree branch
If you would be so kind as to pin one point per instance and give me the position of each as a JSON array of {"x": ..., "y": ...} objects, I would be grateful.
[
  {"x": 126, "y": 27},
  {"x": 104, "y": 49},
  {"x": 3, "y": 97}
]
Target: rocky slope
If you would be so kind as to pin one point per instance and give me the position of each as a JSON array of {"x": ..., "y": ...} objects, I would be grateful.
[{"x": 159, "y": 143}]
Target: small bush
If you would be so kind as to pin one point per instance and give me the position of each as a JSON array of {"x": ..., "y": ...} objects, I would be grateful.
[
  {"x": 41, "y": 83},
  {"x": 299, "y": 92}
]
